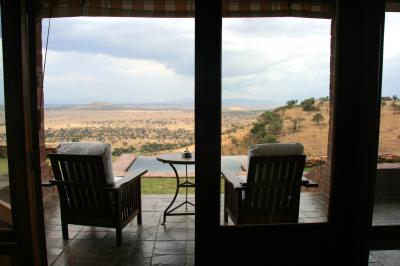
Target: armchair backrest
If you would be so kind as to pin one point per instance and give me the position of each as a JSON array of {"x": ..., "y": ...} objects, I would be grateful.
[
  {"x": 82, "y": 171},
  {"x": 273, "y": 183},
  {"x": 87, "y": 152}
]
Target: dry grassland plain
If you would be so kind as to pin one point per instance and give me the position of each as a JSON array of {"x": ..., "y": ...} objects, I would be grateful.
[
  {"x": 151, "y": 131},
  {"x": 141, "y": 131}
]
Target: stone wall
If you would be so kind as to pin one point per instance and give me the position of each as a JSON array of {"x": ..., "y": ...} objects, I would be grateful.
[{"x": 322, "y": 174}]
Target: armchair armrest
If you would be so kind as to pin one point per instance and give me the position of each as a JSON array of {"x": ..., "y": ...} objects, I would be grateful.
[
  {"x": 127, "y": 179},
  {"x": 307, "y": 182},
  {"x": 237, "y": 181}
]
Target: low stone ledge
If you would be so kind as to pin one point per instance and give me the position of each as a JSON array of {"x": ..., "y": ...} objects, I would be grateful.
[{"x": 122, "y": 164}]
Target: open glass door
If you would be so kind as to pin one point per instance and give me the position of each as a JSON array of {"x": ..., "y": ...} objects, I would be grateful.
[
  {"x": 275, "y": 95},
  {"x": 385, "y": 248},
  {"x": 357, "y": 52}
]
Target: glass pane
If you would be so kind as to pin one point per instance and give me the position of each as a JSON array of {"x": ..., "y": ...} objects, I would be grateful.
[
  {"x": 275, "y": 87},
  {"x": 134, "y": 89},
  {"x": 4, "y": 181},
  {"x": 387, "y": 188}
]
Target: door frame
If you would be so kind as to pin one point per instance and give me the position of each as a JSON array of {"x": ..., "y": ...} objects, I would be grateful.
[
  {"x": 357, "y": 83},
  {"x": 26, "y": 239}
]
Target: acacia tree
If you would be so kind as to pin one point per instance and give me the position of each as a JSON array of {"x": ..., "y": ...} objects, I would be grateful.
[
  {"x": 267, "y": 128},
  {"x": 308, "y": 104},
  {"x": 297, "y": 123},
  {"x": 291, "y": 103},
  {"x": 317, "y": 118}
]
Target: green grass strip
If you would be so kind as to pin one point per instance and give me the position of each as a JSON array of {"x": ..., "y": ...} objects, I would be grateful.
[{"x": 166, "y": 185}]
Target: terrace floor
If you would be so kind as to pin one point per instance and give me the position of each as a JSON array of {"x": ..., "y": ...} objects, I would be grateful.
[{"x": 172, "y": 243}]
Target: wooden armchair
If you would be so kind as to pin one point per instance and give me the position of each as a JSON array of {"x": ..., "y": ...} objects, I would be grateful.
[
  {"x": 270, "y": 193},
  {"x": 87, "y": 191}
]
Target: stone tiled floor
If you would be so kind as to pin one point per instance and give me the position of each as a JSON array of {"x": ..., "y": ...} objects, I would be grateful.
[
  {"x": 172, "y": 243},
  {"x": 384, "y": 258},
  {"x": 149, "y": 244},
  {"x": 385, "y": 213}
]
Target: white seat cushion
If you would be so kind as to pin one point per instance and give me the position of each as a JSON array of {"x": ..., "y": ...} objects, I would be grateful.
[
  {"x": 276, "y": 149},
  {"x": 91, "y": 148}
]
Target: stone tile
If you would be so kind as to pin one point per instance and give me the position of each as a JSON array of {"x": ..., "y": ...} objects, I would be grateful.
[
  {"x": 175, "y": 234},
  {"x": 67, "y": 260},
  {"x": 371, "y": 259},
  {"x": 51, "y": 259},
  {"x": 49, "y": 227},
  {"x": 53, "y": 221},
  {"x": 56, "y": 243},
  {"x": 129, "y": 248},
  {"x": 85, "y": 243},
  {"x": 313, "y": 214},
  {"x": 85, "y": 260},
  {"x": 54, "y": 251},
  {"x": 95, "y": 229},
  {"x": 125, "y": 235},
  {"x": 170, "y": 247},
  {"x": 58, "y": 234},
  {"x": 89, "y": 247},
  {"x": 137, "y": 261},
  {"x": 179, "y": 218},
  {"x": 179, "y": 225},
  {"x": 132, "y": 227},
  {"x": 103, "y": 261},
  {"x": 147, "y": 233},
  {"x": 91, "y": 235},
  {"x": 386, "y": 257},
  {"x": 52, "y": 254},
  {"x": 189, "y": 260},
  {"x": 172, "y": 260},
  {"x": 71, "y": 228},
  {"x": 190, "y": 247},
  {"x": 315, "y": 220}
]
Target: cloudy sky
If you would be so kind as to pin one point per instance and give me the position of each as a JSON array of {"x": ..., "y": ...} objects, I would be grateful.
[{"x": 142, "y": 60}]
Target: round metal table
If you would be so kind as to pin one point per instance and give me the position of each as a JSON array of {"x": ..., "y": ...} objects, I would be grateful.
[{"x": 171, "y": 159}]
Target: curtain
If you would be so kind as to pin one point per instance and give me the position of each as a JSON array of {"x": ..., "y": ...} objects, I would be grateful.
[{"x": 185, "y": 8}]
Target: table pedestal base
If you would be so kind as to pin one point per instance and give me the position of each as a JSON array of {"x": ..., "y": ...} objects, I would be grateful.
[{"x": 170, "y": 212}]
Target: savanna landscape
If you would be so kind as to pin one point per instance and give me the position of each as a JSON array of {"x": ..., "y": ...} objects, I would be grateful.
[
  {"x": 307, "y": 122},
  {"x": 149, "y": 131},
  {"x": 155, "y": 130}
]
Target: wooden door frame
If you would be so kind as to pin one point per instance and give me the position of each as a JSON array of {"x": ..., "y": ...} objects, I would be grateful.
[
  {"x": 358, "y": 75},
  {"x": 19, "y": 60},
  {"x": 347, "y": 233}
]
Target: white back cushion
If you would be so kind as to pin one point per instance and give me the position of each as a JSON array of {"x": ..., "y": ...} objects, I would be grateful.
[
  {"x": 91, "y": 148},
  {"x": 276, "y": 149}
]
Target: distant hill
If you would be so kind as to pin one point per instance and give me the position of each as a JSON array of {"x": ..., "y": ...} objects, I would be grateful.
[
  {"x": 112, "y": 106},
  {"x": 248, "y": 104},
  {"x": 229, "y": 104},
  {"x": 313, "y": 135}
]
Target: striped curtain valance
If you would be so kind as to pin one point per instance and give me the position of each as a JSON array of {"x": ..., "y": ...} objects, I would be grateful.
[{"x": 185, "y": 8}]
